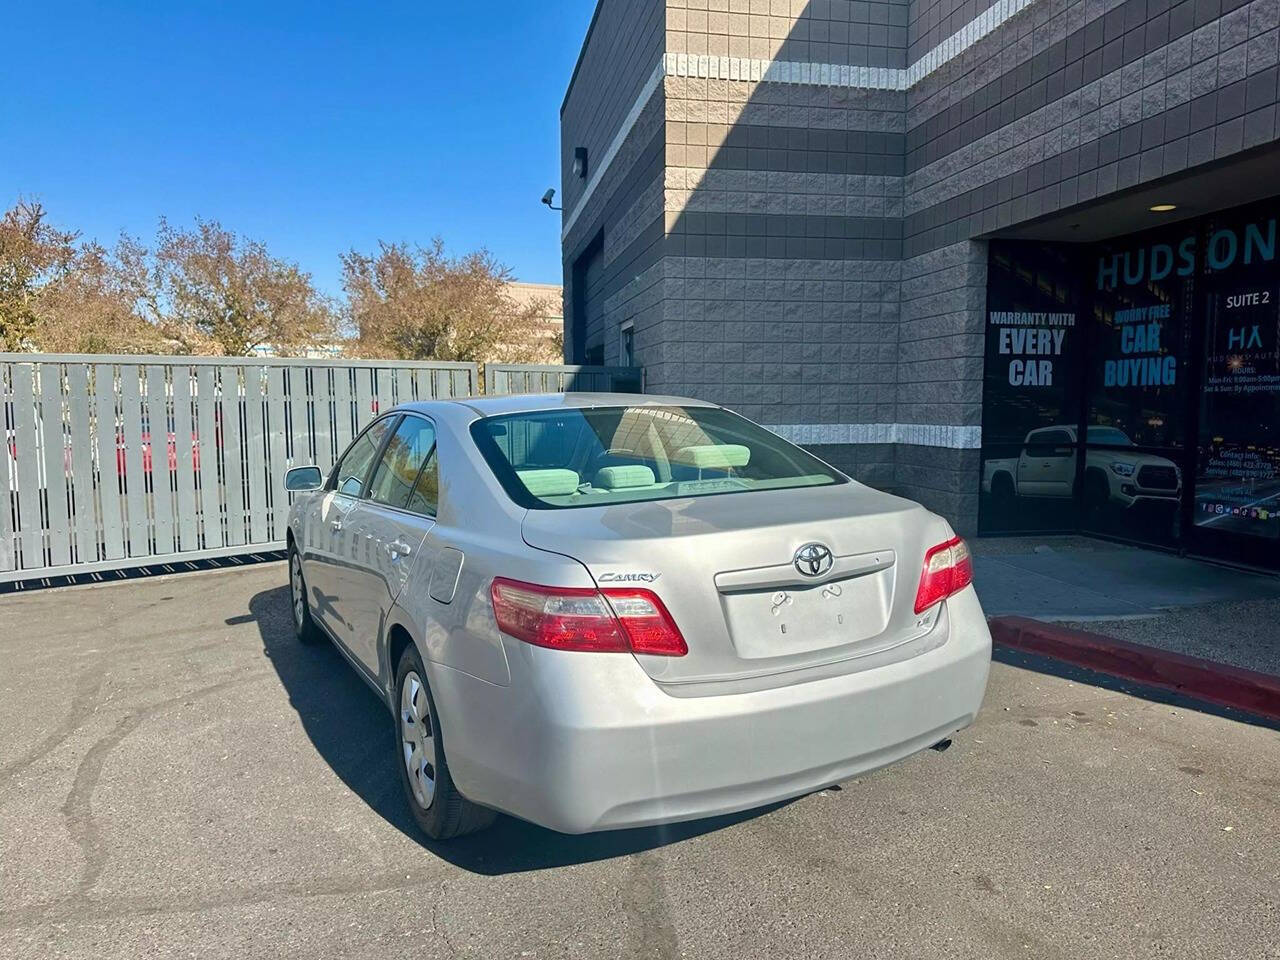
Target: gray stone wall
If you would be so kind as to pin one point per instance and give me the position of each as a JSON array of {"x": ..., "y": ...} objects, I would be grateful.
[
  {"x": 1072, "y": 101},
  {"x": 805, "y": 249},
  {"x": 864, "y": 32},
  {"x": 623, "y": 44}
]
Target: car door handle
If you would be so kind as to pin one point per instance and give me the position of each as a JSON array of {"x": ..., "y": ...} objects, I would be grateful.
[{"x": 397, "y": 549}]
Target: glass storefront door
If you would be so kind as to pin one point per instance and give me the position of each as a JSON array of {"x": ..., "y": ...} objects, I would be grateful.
[
  {"x": 1137, "y": 380},
  {"x": 1132, "y": 387},
  {"x": 1235, "y": 507}
]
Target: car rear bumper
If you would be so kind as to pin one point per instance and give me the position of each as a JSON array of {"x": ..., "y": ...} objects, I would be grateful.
[{"x": 584, "y": 742}]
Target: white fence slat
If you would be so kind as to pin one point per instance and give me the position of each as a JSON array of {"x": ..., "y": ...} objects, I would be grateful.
[
  {"x": 184, "y": 441},
  {"x": 342, "y": 412},
  {"x": 135, "y": 476},
  {"x": 209, "y": 438},
  {"x": 158, "y": 421},
  {"x": 421, "y": 384},
  {"x": 322, "y": 415},
  {"x": 297, "y": 404},
  {"x": 255, "y": 437},
  {"x": 84, "y": 513},
  {"x": 109, "y": 447},
  {"x": 30, "y": 525},
  {"x": 364, "y": 398},
  {"x": 233, "y": 455},
  {"x": 9, "y": 475},
  {"x": 403, "y": 386},
  {"x": 56, "y": 456},
  {"x": 384, "y": 389},
  {"x": 277, "y": 459}
]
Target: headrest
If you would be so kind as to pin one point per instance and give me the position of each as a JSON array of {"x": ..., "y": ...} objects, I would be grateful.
[
  {"x": 550, "y": 482},
  {"x": 624, "y": 477},
  {"x": 714, "y": 456}
]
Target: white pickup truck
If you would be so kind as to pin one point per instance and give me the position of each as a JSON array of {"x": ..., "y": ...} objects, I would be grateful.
[{"x": 1046, "y": 467}]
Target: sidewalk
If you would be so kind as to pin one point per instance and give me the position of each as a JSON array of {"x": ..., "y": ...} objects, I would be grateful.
[
  {"x": 1195, "y": 625},
  {"x": 1080, "y": 580}
]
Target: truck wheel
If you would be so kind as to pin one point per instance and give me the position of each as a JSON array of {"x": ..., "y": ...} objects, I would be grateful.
[
  {"x": 1003, "y": 496},
  {"x": 1097, "y": 492}
]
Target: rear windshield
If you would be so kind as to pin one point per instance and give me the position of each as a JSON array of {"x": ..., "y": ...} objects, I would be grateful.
[{"x": 556, "y": 459}]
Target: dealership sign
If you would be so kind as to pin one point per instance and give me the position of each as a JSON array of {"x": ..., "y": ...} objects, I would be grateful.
[
  {"x": 1254, "y": 243},
  {"x": 1032, "y": 341}
]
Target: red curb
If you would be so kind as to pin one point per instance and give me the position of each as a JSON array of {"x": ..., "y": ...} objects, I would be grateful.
[{"x": 1247, "y": 690}]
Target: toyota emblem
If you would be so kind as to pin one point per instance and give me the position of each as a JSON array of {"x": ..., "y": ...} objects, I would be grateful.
[{"x": 814, "y": 559}]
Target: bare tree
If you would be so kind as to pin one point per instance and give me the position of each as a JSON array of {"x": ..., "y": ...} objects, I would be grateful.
[
  {"x": 33, "y": 254},
  {"x": 209, "y": 285},
  {"x": 418, "y": 303},
  {"x": 92, "y": 308}
]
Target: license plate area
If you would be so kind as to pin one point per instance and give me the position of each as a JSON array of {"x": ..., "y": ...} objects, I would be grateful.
[{"x": 787, "y": 620}]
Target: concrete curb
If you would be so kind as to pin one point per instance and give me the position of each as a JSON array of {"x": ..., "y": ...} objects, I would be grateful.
[{"x": 1218, "y": 683}]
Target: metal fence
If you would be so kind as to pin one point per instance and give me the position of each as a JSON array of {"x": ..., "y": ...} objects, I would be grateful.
[
  {"x": 501, "y": 378},
  {"x": 113, "y": 462}
]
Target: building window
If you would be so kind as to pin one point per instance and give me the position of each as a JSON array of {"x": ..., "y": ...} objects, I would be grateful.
[{"x": 627, "y": 354}]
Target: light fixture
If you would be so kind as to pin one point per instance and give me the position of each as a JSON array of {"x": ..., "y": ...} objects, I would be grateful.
[
  {"x": 1163, "y": 207},
  {"x": 580, "y": 162}
]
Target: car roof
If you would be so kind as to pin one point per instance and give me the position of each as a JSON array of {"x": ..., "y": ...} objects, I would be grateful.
[{"x": 493, "y": 406}]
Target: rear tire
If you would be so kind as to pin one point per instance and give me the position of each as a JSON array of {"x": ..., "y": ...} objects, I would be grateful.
[
  {"x": 1097, "y": 494},
  {"x": 1004, "y": 494},
  {"x": 439, "y": 809},
  {"x": 304, "y": 628}
]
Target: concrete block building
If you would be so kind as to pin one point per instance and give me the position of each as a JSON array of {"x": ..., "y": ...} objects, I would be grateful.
[{"x": 877, "y": 226}]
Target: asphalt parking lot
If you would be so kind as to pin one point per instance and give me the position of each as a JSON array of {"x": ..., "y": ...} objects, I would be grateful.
[{"x": 179, "y": 779}]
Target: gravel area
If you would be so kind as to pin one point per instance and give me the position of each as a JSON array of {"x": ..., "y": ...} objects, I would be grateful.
[{"x": 1241, "y": 633}]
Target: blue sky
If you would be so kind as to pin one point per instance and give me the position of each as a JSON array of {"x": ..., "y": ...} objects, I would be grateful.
[{"x": 314, "y": 127}]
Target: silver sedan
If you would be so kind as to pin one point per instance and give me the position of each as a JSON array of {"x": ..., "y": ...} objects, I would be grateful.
[{"x": 596, "y": 611}]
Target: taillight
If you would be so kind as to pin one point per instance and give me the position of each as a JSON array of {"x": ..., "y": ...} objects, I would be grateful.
[
  {"x": 948, "y": 569},
  {"x": 585, "y": 620}
]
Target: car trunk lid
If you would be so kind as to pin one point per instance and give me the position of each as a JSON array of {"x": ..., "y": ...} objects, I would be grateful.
[{"x": 726, "y": 568}]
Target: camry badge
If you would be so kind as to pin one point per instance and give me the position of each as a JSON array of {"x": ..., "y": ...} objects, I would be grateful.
[
  {"x": 629, "y": 577},
  {"x": 814, "y": 559}
]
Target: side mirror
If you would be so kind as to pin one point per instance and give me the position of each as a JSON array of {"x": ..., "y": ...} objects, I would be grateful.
[{"x": 302, "y": 479}]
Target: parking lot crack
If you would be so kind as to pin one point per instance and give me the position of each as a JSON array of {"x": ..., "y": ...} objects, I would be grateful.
[
  {"x": 77, "y": 808},
  {"x": 437, "y": 922},
  {"x": 88, "y": 685}
]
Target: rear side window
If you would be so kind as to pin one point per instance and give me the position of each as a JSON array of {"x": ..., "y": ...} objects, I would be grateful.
[
  {"x": 556, "y": 459},
  {"x": 407, "y": 452},
  {"x": 425, "y": 498}
]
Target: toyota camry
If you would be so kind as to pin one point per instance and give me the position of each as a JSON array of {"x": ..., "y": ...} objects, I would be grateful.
[{"x": 596, "y": 611}]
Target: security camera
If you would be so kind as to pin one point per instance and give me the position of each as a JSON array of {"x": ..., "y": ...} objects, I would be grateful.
[{"x": 549, "y": 197}]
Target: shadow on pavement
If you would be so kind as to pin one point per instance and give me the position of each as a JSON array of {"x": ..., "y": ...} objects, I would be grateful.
[
  {"x": 352, "y": 730},
  {"x": 1068, "y": 671}
]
